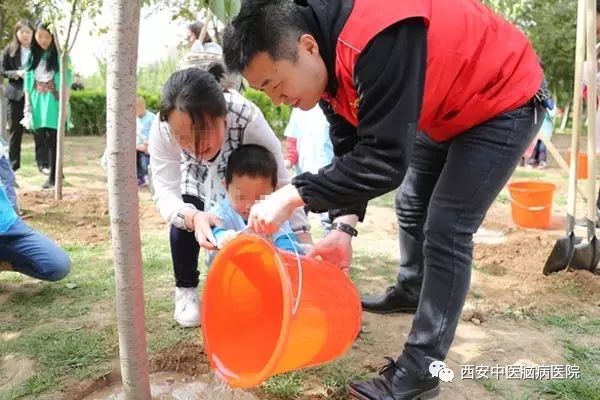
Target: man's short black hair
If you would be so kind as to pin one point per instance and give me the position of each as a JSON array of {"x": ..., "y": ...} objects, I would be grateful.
[
  {"x": 271, "y": 26},
  {"x": 597, "y": 6},
  {"x": 251, "y": 160}
]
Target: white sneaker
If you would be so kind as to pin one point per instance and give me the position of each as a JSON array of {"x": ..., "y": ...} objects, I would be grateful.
[{"x": 187, "y": 307}]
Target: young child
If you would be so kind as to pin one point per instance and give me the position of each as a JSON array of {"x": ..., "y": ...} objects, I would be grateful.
[
  {"x": 308, "y": 146},
  {"x": 251, "y": 174},
  {"x": 539, "y": 156},
  {"x": 144, "y": 122}
]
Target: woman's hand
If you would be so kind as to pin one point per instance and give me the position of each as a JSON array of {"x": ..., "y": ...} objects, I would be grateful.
[
  {"x": 268, "y": 214},
  {"x": 335, "y": 248},
  {"x": 203, "y": 224},
  {"x": 21, "y": 74}
]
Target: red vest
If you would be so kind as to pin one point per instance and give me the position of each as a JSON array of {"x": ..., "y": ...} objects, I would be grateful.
[{"x": 478, "y": 64}]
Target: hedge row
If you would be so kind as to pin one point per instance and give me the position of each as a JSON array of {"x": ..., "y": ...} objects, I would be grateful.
[{"x": 88, "y": 111}]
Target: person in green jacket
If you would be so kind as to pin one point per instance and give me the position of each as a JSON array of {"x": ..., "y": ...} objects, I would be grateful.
[{"x": 42, "y": 86}]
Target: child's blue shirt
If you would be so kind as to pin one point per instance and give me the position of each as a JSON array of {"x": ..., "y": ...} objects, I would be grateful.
[
  {"x": 143, "y": 126},
  {"x": 284, "y": 239},
  {"x": 548, "y": 124}
]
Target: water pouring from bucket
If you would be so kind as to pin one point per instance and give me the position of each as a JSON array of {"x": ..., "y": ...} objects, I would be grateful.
[{"x": 267, "y": 311}]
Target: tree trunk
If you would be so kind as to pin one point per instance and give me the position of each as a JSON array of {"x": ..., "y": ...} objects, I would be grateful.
[
  {"x": 204, "y": 30},
  {"x": 3, "y": 130},
  {"x": 123, "y": 196},
  {"x": 62, "y": 124},
  {"x": 217, "y": 38}
]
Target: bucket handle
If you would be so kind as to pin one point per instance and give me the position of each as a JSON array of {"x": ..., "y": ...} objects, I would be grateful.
[
  {"x": 536, "y": 208},
  {"x": 297, "y": 252}
]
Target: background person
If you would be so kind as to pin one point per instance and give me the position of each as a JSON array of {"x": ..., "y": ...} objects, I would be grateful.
[{"x": 14, "y": 60}]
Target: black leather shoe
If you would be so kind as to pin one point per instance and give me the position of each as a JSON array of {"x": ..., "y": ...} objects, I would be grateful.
[
  {"x": 395, "y": 383},
  {"x": 394, "y": 300}
]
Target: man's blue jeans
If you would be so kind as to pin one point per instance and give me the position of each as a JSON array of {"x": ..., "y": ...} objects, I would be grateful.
[
  {"x": 33, "y": 254},
  {"x": 445, "y": 195}
]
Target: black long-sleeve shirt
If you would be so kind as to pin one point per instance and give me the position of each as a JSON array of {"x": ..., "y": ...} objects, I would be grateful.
[{"x": 372, "y": 159}]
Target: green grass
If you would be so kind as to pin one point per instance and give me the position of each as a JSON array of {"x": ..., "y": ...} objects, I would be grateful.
[
  {"x": 372, "y": 266},
  {"x": 386, "y": 201},
  {"x": 503, "y": 198},
  {"x": 585, "y": 387},
  {"x": 331, "y": 381},
  {"x": 67, "y": 330},
  {"x": 60, "y": 353},
  {"x": 59, "y": 326},
  {"x": 581, "y": 349},
  {"x": 28, "y": 165},
  {"x": 528, "y": 174},
  {"x": 572, "y": 324},
  {"x": 578, "y": 334}
]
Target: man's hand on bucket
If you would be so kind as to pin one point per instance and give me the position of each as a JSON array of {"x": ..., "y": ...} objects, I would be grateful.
[{"x": 335, "y": 248}]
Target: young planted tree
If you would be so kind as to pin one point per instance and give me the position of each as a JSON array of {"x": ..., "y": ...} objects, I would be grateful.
[
  {"x": 121, "y": 88},
  {"x": 67, "y": 17}
]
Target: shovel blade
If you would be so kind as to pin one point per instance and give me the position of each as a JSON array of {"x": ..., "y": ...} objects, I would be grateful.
[
  {"x": 586, "y": 255},
  {"x": 561, "y": 254}
]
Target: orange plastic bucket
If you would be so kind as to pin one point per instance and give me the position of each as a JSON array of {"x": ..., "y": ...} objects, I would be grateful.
[
  {"x": 531, "y": 203},
  {"x": 582, "y": 164},
  {"x": 266, "y": 311}
]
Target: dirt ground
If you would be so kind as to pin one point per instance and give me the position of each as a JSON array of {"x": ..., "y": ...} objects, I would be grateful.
[
  {"x": 85, "y": 215},
  {"x": 507, "y": 280}
]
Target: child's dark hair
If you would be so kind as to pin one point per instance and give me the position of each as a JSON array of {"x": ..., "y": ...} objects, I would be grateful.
[
  {"x": 195, "y": 92},
  {"x": 251, "y": 160}
]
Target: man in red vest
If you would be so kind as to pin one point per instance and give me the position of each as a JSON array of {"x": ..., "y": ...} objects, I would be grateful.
[{"x": 440, "y": 96}]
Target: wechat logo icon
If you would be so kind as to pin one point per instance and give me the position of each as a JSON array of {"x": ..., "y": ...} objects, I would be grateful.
[{"x": 439, "y": 370}]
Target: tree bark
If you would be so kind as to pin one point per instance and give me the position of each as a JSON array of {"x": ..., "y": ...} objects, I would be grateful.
[
  {"x": 123, "y": 196},
  {"x": 3, "y": 103},
  {"x": 62, "y": 125},
  {"x": 218, "y": 39},
  {"x": 63, "y": 48}
]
